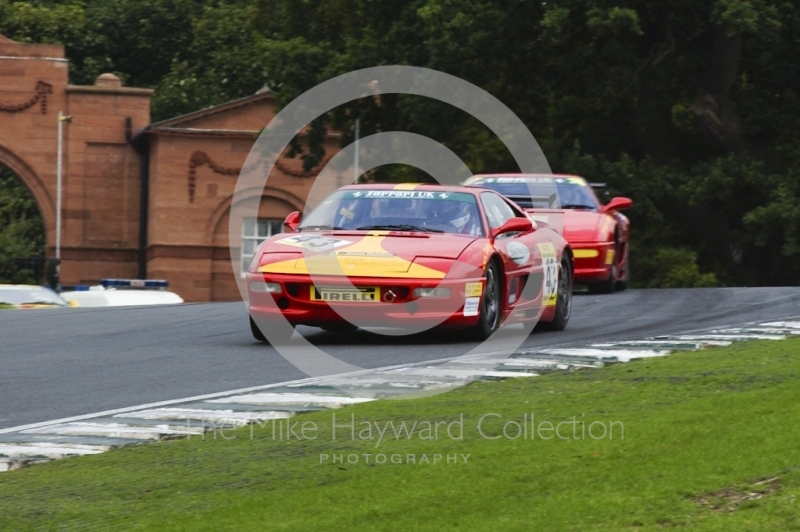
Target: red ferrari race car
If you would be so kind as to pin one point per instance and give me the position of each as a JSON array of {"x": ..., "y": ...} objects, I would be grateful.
[
  {"x": 411, "y": 257},
  {"x": 597, "y": 233}
]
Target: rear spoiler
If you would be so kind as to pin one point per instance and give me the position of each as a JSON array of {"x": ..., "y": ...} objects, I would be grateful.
[
  {"x": 550, "y": 200},
  {"x": 597, "y": 186}
]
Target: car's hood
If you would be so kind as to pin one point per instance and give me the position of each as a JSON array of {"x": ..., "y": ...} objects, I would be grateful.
[
  {"x": 576, "y": 225},
  {"x": 374, "y": 254}
]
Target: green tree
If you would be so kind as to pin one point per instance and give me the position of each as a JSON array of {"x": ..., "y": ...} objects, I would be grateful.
[
  {"x": 21, "y": 230},
  {"x": 689, "y": 107}
]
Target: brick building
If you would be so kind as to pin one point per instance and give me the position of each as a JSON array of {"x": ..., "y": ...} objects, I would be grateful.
[{"x": 138, "y": 199}]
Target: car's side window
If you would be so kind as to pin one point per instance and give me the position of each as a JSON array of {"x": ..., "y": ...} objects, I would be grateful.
[
  {"x": 497, "y": 210},
  {"x": 518, "y": 213}
]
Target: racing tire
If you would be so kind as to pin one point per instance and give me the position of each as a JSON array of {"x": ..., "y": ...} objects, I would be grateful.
[
  {"x": 257, "y": 334},
  {"x": 563, "y": 299},
  {"x": 491, "y": 304},
  {"x": 276, "y": 333},
  {"x": 605, "y": 287},
  {"x": 609, "y": 285},
  {"x": 622, "y": 284}
]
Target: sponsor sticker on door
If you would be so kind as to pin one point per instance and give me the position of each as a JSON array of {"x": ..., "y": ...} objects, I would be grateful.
[
  {"x": 473, "y": 290},
  {"x": 472, "y": 306}
]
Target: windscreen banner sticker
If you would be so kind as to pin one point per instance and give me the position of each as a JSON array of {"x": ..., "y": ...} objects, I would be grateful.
[
  {"x": 314, "y": 242},
  {"x": 471, "y": 306},
  {"x": 513, "y": 180},
  {"x": 550, "y": 270},
  {"x": 519, "y": 253},
  {"x": 409, "y": 194},
  {"x": 531, "y": 179},
  {"x": 473, "y": 290}
]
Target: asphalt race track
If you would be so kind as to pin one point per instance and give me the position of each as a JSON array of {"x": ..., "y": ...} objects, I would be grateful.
[{"x": 68, "y": 362}]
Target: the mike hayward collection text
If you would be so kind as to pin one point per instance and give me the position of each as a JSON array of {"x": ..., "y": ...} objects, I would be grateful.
[{"x": 489, "y": 426}]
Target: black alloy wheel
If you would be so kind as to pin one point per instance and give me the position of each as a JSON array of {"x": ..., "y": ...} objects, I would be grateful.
[
  {"x": 491, "y": 305},
  {"x": 563, "y": 298}
]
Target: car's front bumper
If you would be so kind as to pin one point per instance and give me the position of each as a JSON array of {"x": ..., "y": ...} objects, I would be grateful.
[{"x": 294, "y": 302}]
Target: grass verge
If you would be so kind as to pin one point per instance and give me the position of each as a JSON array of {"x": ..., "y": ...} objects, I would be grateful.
[{"x": 711, "y": 442}]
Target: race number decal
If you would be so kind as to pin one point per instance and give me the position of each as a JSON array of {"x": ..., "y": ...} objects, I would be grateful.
[
  {"x": 314, "y": 242},
  {"x": 550, "y": 271}
]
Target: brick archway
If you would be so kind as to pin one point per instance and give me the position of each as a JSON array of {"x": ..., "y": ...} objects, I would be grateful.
[
  {"x": 100, "y": 169},
  {"x": 37, "y": 188},
  {"x": 138, "y": 199}
]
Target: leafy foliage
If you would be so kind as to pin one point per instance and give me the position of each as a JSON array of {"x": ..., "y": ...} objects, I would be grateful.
[
  {"x": 21, "y": 229},
  {"x": 688, "y": 107}
]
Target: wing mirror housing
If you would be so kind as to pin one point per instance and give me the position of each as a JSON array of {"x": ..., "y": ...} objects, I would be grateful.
[
  {"x": 292, "y": 222},
  {"x": 514, "y": 225},
  {"x": 617, "y": 203}
]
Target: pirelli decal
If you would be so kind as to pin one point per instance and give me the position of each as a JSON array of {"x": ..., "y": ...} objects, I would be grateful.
[{"x": 352, "y": 294}]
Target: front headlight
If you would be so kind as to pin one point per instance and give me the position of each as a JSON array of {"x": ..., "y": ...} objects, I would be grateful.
[
  {"x": 431, "y": 292},
  {"x": 260, "y": 286}
]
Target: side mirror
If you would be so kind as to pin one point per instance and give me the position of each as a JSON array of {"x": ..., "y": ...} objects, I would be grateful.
[
  {"x": 514, "y": 225},
  {"x": 616, "y": 204},
  {"x": 292, "y": 221}
]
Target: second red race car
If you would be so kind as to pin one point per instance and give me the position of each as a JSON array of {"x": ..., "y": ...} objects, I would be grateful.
[
  {"x": 412, "y": 257},
  {"x": 597, "y": 233}
]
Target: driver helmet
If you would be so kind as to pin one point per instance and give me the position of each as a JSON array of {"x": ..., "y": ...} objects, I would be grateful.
[
  {"x": 571, "y": 195},
  {"x": 456, "y": 213}
]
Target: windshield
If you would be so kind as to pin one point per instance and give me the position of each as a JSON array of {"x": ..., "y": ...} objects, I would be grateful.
[
  {"x": 32, "y": 295},
  {"x": 399, "y": 210},
  {"x": 544, "y": 192}
]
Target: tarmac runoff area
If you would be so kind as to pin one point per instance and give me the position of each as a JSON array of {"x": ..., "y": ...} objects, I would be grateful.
[{"x": 195, "y": 416}]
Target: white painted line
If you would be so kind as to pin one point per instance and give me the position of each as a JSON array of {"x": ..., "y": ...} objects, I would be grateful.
[
  {"x": 758, "y": 330},
  {"x": 294, "y": 399},
  {"x": 447, "y": 372},
  {"x": 786, "y": 324},
  {"x": 382, "y": 389},
  {"x": 720, "y": 337},
  {"x": 614, "y": 350},
  {"x": 548, "y": 364},
  {"x": 228, "y": 417},
  {"x": 510, "y": 374},
  {"x": 622, "y": 355},
  {"x": 499, "y": 362},
  {"x": 393, "y": 381},
  {"x": 664, "y": 344},
  {"x": 113, "y": 430},
  {"x": 49, "y": 450}
]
